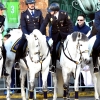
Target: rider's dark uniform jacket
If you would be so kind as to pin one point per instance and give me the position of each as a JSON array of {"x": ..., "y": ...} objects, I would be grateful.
[
  {"x": 97, "y": 22},
  {"x": 2, "y": 19},
  {"x": 29, "y": 23},
  {"x": 62, "y": 25}
]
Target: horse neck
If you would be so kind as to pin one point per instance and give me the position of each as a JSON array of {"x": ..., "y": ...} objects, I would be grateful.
[
  {"x": 71, "y": 50},
  {"x": 44, "y": 49}
]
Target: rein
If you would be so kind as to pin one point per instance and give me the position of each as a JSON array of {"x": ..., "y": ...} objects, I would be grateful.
[
  {"x": 41, "y": 61},
  {"x": 69, "y": 54},
  {"x": 41, "y": 58},
  {"x": 70, "y": 58}
]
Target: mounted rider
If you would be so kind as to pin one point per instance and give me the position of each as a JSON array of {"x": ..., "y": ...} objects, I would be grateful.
[
  {"x": 96, "y": 46},
  {"x": 61, "y": 27},
  {"x": 2, "y": 20},
  {"x": 30, "y": 19}
]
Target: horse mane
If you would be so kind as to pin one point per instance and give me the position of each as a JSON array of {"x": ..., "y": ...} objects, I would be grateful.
[
  {"x": 42, "y": 40},
  {"x": 79, "y": 35}
]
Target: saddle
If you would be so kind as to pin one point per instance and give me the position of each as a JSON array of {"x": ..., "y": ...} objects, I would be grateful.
[{"x": 24, "y": 49}]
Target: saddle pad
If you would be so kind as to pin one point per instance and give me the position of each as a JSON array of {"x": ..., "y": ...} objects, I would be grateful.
[{"x": 15, "y": 46}]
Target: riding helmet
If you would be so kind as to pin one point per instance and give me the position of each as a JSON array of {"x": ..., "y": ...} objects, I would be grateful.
[
  {"x": 2, "y": 7},
  {"x": 30, "y": 1},
  {"x": 53, "y": 7}
]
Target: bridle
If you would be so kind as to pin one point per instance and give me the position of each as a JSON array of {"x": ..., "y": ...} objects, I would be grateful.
[
  {"x": 70, "y": 58},
  {"x": 41, "y": 57}
]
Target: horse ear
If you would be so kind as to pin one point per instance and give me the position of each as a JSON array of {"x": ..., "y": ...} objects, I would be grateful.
[{"x": 79, "y": 35}]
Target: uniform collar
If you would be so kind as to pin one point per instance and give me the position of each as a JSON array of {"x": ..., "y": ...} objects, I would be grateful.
[
  {"x": 30, "y": 11},
  {"x": 57, "y": 14}
]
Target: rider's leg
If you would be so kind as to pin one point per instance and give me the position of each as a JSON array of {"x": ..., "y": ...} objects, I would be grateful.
[
  {"x": 94, "y": 57},
  {"x": 4, "y": 59},
  {"x": 53, "y": 57},
  {"x": 19, "y": 52}
]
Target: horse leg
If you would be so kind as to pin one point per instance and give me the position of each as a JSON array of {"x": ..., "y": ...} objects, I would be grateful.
[
  {"x": 22, "y": 77},
  {"x": 66, "y": 78},
  {"x": 76, "y": 86},
  {"x": 8, "y": 79},
  {"x": 1, "y": 65},
  {"x": 55, "y": 86},
  {"x": 31, "y": 88},
  {"x": 95, "y": 88},
  {"x": 95, "y": 79},
  {"x": 44, "y": 81}
]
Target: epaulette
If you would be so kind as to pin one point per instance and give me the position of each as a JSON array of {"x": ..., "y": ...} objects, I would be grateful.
[
  {"x": 37, "y": 9},
  {"x": 23, "y": 11},
  {"x": 63, "y": 12}
]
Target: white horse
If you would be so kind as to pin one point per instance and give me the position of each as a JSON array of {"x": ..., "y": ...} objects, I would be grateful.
[
  {"x": 41, "y": 63},
  {"x": 1, "y": 56},
  {"x": 95, "y": 77},
  {"x": 75, "y": 50},
  {"x": 10, "y": 56},
  {"x": 37, "y": 59}
]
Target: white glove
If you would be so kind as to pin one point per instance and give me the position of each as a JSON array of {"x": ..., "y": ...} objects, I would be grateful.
[{"x": 50, "y": 42}]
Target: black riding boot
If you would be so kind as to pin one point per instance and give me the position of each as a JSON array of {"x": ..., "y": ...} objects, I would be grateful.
[
  {"x": 4, "y": 59},
  {"x": 17, "y": 58},
  {"x": 52, "y": 68},
  {"x": 94, "y": 57},
  {"x": 19, "y": 52}
]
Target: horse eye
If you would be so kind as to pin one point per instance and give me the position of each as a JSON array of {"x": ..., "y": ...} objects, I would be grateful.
[
  {"x": 80, "y": 44},
  {"x": 34, "y": 35}
]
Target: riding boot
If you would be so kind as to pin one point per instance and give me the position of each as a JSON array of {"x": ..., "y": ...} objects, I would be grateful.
[
  {"x": 4, "y": 59},
  {"x": 17, "y": 58},
  {"x": 94, "y": 57},
  {"x": 52, "y": 68}
]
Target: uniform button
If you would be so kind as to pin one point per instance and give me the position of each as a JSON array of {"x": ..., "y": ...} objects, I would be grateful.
[
  {"x": 34, "y": 23},
  {"x": 58, "y": 30},
  {"x": 57, "y": 25}
]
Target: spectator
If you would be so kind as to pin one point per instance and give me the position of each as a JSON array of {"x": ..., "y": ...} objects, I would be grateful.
[{"x": 81, "y": 25}]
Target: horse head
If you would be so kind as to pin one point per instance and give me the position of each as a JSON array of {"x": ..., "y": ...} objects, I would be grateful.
[
  {"x": 81, "y": 46},
  {"x": 33, "y": 47}
]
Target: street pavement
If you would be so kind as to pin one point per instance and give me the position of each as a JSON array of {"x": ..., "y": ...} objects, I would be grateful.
[{"x": 81, "y": 98}]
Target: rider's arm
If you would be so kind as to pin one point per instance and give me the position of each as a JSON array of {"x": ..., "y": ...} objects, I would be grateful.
[
  {"x": 97, "y": 21},
  {"x": 44, "y": 24},
  {"x": 23, "y": 23}
]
